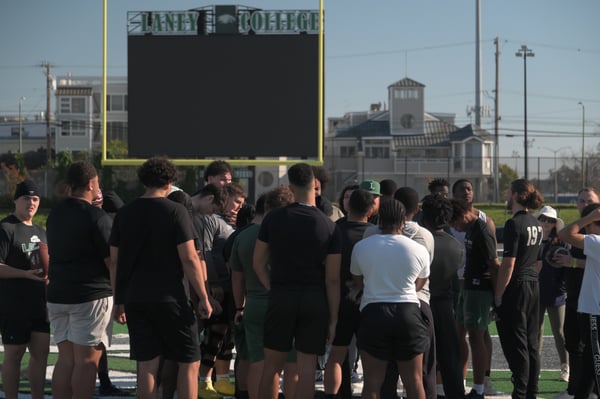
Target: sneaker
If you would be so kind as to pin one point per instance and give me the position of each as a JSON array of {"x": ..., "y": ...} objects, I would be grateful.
[
  {"x": 564, "y": 372},
  {"x": 564, "y": 395},
  {"x": 207, "y": 391},
  {"x": 225, "y": 387},
  {"x": 111, "y": 390},
  {"x": 355, "y": 378},
  {"x": 474, "y": 395},
  {"x": 488, "y": 388}
]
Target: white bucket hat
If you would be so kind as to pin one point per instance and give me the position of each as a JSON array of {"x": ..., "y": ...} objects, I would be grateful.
[{"x": 550, "y": 212}]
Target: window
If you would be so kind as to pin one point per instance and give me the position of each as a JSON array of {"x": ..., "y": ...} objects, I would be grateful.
[
  {"x": 116, "y": 131},
  {"x": 407, "y": 121},
  {"x": 73, "y": 128},
  {"x": 96, "y": 102},
  {"x": 72, "y": 105},
  {"x": 347, "y": 152},
  {"x": 405, "y": 94},
  {"x": 377, "y": 152},
  {"x": 116, "y": 102}
]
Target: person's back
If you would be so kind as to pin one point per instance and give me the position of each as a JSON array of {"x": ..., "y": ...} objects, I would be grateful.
[
  {"x": 78, "y": 234},
  {"x": 302, "y": 247},
  {"x": 151, "y": 261},
  {"x": 152, "y": 248},
  {"x": 299, "y": 236}
]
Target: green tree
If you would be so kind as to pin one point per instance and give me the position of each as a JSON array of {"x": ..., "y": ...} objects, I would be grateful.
[
  {"x": 116, "y": 149},
  {"x": 507, "y": 175}
]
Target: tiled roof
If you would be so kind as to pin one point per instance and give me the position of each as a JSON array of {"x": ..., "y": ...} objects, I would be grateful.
[
  {"x": 470, "y": 131},
  {"x": 74, "y": 91},
  {"x": 407, "y": 82},
  {"x": 370, "y": 128},
  {"x": 437, "y": 133}
]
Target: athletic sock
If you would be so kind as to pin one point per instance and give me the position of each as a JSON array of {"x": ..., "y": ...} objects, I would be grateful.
[
  {"x": 440, "y": 390},
  {"x": 478, "y": 388}
]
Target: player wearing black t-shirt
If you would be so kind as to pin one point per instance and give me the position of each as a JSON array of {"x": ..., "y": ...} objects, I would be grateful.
[
  {"x": 152, "y": 246},
  {"x": 23, "y": 318},
  {"x": 517, "y": 291},
  {"x": 302, "y": 247},
  {"x": 352, "y": 228},
  {"x": 447, "y": 259},
  {"x": 475, "y": 299}
]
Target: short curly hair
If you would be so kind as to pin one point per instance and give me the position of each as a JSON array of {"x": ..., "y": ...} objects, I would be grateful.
[
  {"x": 278, "y": 198},
  {"x": 79, "y": 174},
  {"x": 216, "y": 168},
  {"x": 301, "y": 175},
  {"x": 157, "y": 172}
]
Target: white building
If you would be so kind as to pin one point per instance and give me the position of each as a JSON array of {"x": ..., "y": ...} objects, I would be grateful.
[
  {"x": 407, "y": 144},
  {"x": 79, "y": 116}
]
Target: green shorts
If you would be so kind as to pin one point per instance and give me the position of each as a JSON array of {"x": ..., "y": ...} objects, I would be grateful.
[
  {"x": 473, "y": 309},
  {"x": 241, "y": 346},
  {"x": 254, "y": 322}
]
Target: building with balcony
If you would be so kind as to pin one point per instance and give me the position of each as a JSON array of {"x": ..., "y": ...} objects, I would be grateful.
[
  {"x": 79, "y": 112},
  {"x": 407, "y": 144}
]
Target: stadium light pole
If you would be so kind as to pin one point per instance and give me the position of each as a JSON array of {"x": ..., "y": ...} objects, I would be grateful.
[
  {"x": 21, "y": 99},
  {"x": 525, "y": 52},
  {"x": 555, "y": 170},
  {"x": 582, "y": 144}
]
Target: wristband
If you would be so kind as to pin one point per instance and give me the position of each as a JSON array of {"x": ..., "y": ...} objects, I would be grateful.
[{"x": 574, "y": 263}]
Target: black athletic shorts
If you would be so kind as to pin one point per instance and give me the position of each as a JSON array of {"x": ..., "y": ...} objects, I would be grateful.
[
  {"x": 226, "y": 316},
  {"x": 348, "y": 322},
  {"x": 166, "y": 329},
  {"x": 298, "y": 317},
  {"x": 393, "y": 331},
  {"x": 18, "y": 331}
]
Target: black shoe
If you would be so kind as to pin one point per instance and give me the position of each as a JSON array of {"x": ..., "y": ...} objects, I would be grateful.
[
  {"x": 111, "y": 390},
  {"x": 474, "y": 395}
]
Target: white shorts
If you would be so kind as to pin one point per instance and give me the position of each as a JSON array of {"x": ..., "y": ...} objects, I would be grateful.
[{"x": 85, "y": 324}]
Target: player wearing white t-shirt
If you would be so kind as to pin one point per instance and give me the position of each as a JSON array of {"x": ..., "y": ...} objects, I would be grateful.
[
  {"x": 589, "y": 298},
  {"x": 391, "y": 268}
]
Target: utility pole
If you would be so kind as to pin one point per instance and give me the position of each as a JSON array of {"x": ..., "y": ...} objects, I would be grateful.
[
  {"x": 583, "y": 181},
  {"x": 496, "y": 121},
  {"x": 478, "y": 64},
  {"x": 525, "y": 52},
  {"x": 46, "y": 65}
]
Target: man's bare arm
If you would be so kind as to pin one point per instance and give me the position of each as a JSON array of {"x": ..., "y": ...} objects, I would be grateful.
[
  {"x": 332, "y": 284},
  {"x": 192, "y": 268},
  {"x": 260, "y": 262}
]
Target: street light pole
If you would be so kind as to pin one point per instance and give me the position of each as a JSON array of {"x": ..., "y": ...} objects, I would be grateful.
[
  {"x": 21, "y": 99},
  {"x": 525, "y": 52},
  {"x": 583, "y": 180},
  {"x": 555, "y": 170}
]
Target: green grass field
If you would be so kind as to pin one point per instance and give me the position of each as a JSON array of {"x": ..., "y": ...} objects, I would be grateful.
[
  {"x": 549, "y": 382},
  {"x": 550, "y": 385}
]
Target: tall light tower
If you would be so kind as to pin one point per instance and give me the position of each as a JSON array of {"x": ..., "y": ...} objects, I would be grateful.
[
  {"x": 525, "y": 52},
  {"x": 583, "y": 181},
  {"x": 21, "y": 99},
  {"x": 555, "y": 170}
]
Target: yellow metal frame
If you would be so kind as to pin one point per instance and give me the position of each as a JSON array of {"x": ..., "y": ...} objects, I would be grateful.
[{"x": 198, "y": 162}]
